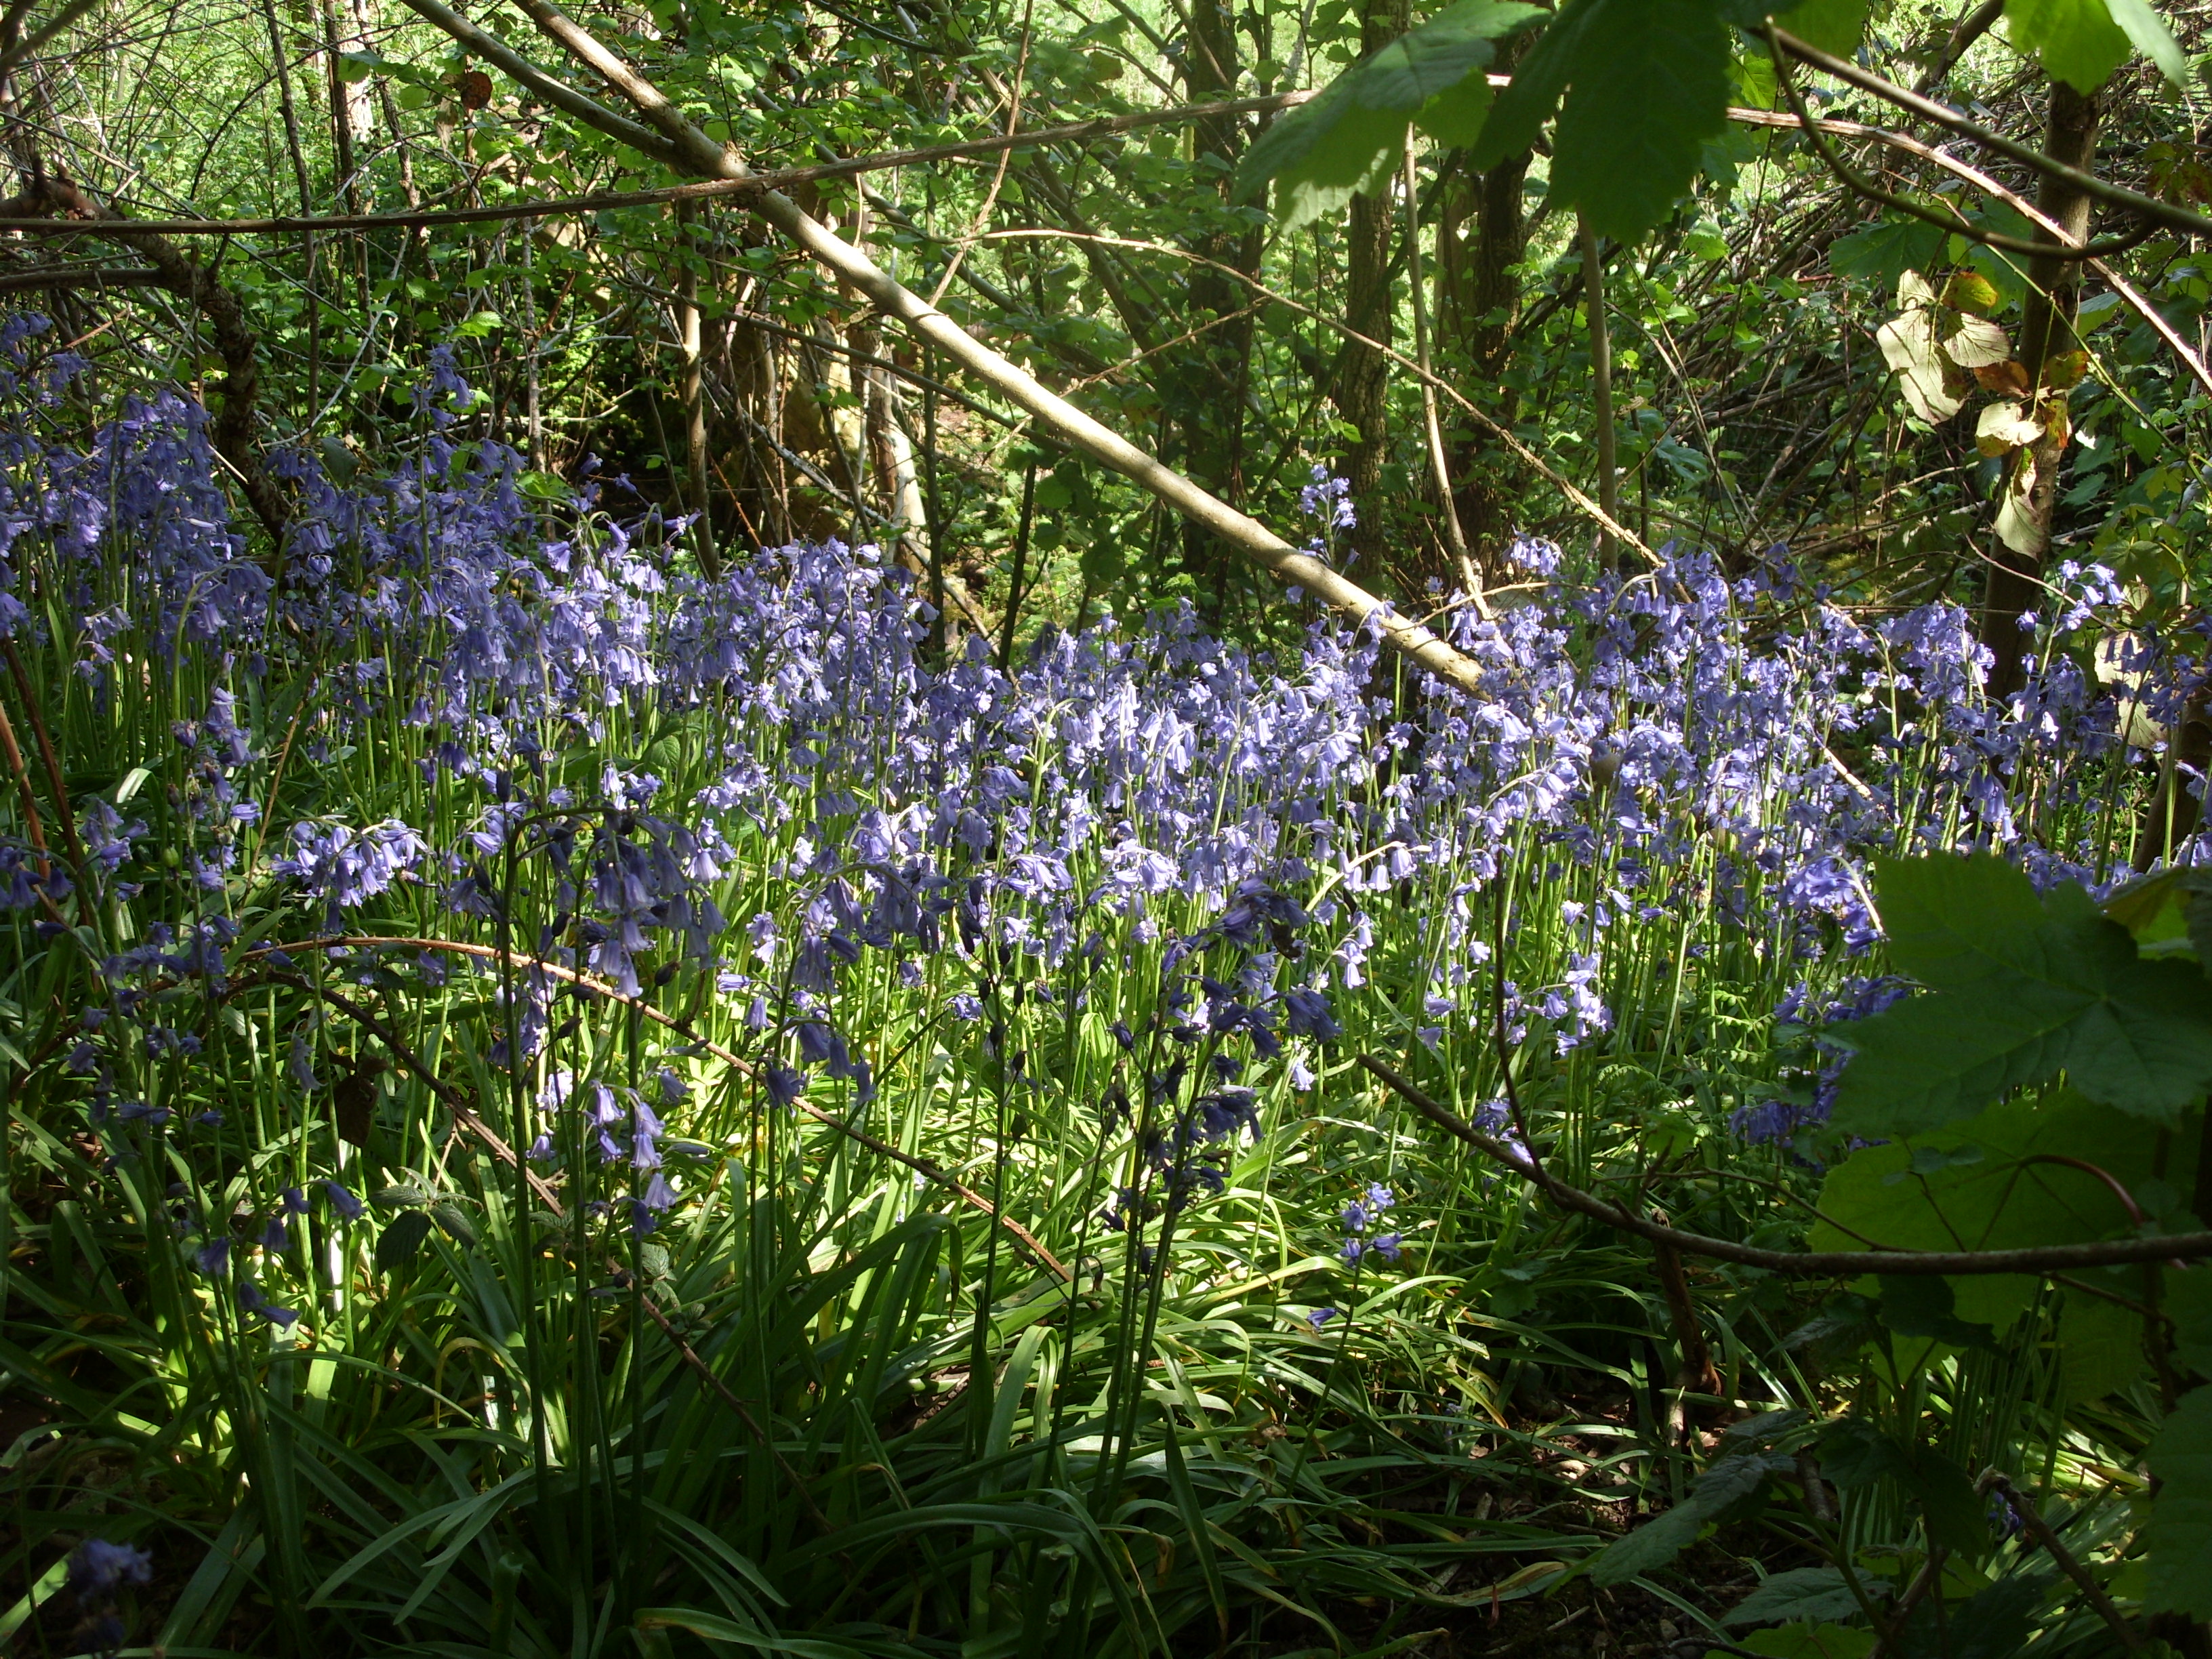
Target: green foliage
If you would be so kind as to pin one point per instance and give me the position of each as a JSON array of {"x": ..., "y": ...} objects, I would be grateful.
[
  {"x": 1726, "y": 1483},
  {"x": 2021, "y": 990},
  {"x": 2180, "y": 1533},
  {"x": 1346, "y": 141},
  {"x": 2077, "y": 41},
  {"x": 1645, "y": 85},
  {"x": 1809, "y": 1594}
]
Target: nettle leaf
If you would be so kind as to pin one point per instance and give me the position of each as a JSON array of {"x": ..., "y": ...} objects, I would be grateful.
[
  {"x": 2077, "y": 40},
  {"x": 2180, "y": 1531},
  {"x": 1833, "y": 26},
  {"x": 1727, "y": 1481},
  {"x": 2016, "y": 997},
  {"x": 1810, "y": 1594},
  {"x": 401, "y": 1242},
  {"x": 1348, "y": 140}
]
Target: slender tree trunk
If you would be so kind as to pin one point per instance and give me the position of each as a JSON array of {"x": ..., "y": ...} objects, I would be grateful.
[
  {"x": 689, "y": 342},
  {"x": 1479, "y": 303},
  {"x": 1210, "y": 386},
  {"x": 2046, "y": 331},
  {"x": 1601, "y": 346},
  {"x": 1363, "y": 374}
]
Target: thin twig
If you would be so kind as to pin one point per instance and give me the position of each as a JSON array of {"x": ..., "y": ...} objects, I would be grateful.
[{"x": 1804, "y": 1264}]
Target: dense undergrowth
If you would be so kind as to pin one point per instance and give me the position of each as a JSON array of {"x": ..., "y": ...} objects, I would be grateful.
[{"x": 556, "y": 1105}]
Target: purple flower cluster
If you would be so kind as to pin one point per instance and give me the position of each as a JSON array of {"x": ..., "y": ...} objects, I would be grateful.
[{"x": 1672, "y": 756}]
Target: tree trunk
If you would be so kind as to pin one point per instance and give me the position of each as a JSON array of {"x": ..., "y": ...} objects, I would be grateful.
[
  {"x": 1477, "y": 304},
  {"x": 2046, "y": 331},
  {"x": 689, "y": 342},
  {"x": 1363, "y": 375},
  {"x": 1212, "y": 386}
]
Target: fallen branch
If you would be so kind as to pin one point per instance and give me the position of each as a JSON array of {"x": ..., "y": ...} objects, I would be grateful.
[
  {"x": 1803, "y": 1264},
  {"x": 698, "y": 153}
]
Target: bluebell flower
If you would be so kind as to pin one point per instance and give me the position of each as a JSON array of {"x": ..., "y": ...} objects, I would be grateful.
[
  {"x": 98, "y": 1569},
  {"x": 1321, "y": 1316},
  {"x": 250, "y": 1298},
  {"x": 343, "y": 1202}
]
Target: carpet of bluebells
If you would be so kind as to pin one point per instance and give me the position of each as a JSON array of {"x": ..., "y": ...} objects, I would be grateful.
[{"x": 557, "y": 1103}]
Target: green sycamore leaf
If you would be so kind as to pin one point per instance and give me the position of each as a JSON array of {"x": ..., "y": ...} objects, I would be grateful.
[
  {"x": 1922, "y": 1304},
  {"x": 2188, "y": 1303},
  {"x": 1348, "y": 140},
  {"x": 1726, "y": 1482},
  {"x": 2100, "y": 1346},
  {"x": 2077, "y": 40},
  {"x": 2022, "y": 988},
  {"x": 2007, "y": 1199},
  {"x": 2152, "y": 37},
  {"x": 2180, "y": 1531},
  {"x": 1645, "y": 84}
]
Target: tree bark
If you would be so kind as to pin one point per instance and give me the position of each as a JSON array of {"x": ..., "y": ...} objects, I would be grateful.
[
  {"x": 2046, "y": 332},
  {"x": 1362, "y": 375},
  {"x": 1212, "y": 386},
  {"x": 1479, "y": 303},
  {"x": 1600, "y": 351}
]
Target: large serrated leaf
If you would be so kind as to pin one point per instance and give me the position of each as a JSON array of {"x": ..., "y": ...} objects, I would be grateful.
[
  {"x": 1519, "y": 113},
  {"x": 401, "y": 1242},
  {"x": 2180, "y": 1531},
  {"x": 2147, "y": 30},
  {"x": 2020, "y": 991},
  {"x": 2013, "y": 1196},
  {"x": 1649, "y": 87},
  {"x": 2077, "y": 40},
  {"x": 1802, "y": 1593},
  {"x": 1349, "y": 139}
]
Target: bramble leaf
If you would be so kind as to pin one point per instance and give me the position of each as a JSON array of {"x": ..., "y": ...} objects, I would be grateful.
[
  {"x": 1660, "y": 1540},
  {"x": 402, "y": 1241},
  {"x": 1810, "y": 1594}
]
